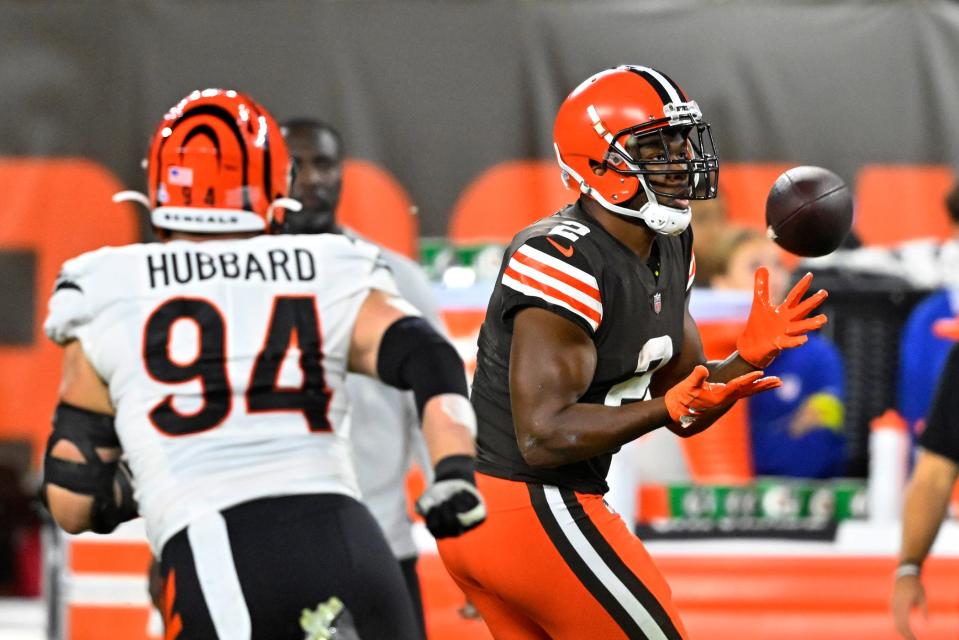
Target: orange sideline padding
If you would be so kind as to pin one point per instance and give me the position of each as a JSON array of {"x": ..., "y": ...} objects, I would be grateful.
[
  {"x": 109, "y": 557},
  {"x": 895, "y": 203},
  {"x": 506, "y": 198},
  {"x": 110, "y": 560},
  {"x": 375, "y": 205},
  {"x": 463, "y": 326},
  {"x": 107, "y": 622},
  {"x": 793, "y": 598},
  {"x": 415, "y": 486},
  {"x": 463, "y": 322},
  {"x": 719, "y": 598},
  {"x": 58, "y": 208},
  {"x": 756, "y": 598},
  {"x": 652, "y": 503},
  {"x": 723, "y": 452}
]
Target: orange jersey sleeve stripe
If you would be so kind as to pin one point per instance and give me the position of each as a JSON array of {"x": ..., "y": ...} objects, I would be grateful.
[
  {"x": 564, "y": 276},
  {"x": 692, "y": 271},
  {"x": 559, "y": 285},
  {"x": 530, "y": 286}
]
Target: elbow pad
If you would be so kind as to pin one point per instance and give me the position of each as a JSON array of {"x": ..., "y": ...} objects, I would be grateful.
[{"x": 414, "y": 356}]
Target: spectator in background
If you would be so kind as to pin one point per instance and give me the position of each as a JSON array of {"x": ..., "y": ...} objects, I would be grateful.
[
  {"x": 927, "y": 496},
  {"x": 796, "y": 430},
  {"x": 711, "y": 223},
  {"x": 19, "y": 530},
  {"x": 922, "y": 354},
  {"x": 384, "y": 423}
]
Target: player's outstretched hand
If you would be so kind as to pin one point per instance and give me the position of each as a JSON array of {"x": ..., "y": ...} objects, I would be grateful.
[
  {"x": 772, "y": 328},
  {"x": 907, "y": 594},
  {"x": 695, "y": 394},
  {"x": 451, "y": 505}
]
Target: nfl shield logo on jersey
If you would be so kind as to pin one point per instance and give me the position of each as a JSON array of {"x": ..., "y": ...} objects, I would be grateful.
[{"x": 657, "y": 301}]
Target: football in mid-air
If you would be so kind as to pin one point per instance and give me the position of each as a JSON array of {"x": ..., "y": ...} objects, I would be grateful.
[{"x": 808, "y": 211}]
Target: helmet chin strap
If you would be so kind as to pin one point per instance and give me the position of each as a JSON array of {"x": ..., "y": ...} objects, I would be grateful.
[
  {"x": 132, "y": 196},
  {"x": 286, "y": 203},
  {"x": 668, "y": 221},
  {"x": 664, "y": 220}
]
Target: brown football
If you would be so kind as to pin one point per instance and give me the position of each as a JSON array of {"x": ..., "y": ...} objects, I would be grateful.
[{"x": 809, "y": 211}]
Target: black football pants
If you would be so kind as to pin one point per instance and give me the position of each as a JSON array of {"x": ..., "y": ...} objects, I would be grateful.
[{"x": 250, "y": 570}]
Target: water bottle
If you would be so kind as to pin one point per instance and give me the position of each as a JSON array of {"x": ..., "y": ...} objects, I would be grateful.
[{"x": 888, "y": 448}]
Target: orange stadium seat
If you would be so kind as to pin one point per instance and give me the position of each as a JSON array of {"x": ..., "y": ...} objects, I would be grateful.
[
  {"x": 56, "y": 209},
  {"x": 511, "y": 195},
  {"x": 506, "y": 198},
  {"x": 744, "y": 186},
  {"x": 375, "y": 205},
  {"x": 902, "y": 202}
]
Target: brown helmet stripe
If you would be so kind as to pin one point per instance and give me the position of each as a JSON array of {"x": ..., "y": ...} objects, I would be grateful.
[{"x": 667, "y": 90}]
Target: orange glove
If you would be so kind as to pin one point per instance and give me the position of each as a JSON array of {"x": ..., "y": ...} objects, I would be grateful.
[
  {"x": 947, "y": 328},
  {"x": 772, "y": 328},
  {"x": 694, "y": 395}
]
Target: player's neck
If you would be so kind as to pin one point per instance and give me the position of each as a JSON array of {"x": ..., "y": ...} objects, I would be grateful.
[{"x": 635, "y": 235}]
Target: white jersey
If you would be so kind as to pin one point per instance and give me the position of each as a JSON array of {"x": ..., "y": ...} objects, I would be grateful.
[{"x": 226, "y": 363}]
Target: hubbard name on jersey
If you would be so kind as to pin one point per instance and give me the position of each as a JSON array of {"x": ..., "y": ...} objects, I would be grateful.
[
  {"x": 226, "y": 362},
  {"x": 569, "y": 264}
]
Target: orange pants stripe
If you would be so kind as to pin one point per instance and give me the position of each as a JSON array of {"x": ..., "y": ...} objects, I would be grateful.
[{"x": 551, "y": 563}]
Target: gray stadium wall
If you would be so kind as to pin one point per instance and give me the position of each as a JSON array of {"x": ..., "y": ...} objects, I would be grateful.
[{"x": 436, "y": 91}]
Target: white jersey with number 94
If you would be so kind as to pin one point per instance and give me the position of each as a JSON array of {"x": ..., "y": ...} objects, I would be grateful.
[{"x": 225, "y": 361}]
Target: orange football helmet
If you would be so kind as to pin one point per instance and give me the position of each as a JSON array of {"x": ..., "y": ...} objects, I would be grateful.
[
  {"x": 594, "y": 125},
  {"x": 217, "y": 163}
]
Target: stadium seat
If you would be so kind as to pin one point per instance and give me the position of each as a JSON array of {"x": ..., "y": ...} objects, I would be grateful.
[
  {"x": 375, "y": 205},
  {"x": 53, "y": 210},
  {"x": 506, "y": 198},
  {"x": 895, "y": 203},
  {"x": 511, "y": 195},
  {"x": 744, "y": 186}
]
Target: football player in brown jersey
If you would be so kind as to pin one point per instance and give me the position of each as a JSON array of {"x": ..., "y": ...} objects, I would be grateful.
[{"x": 588, "y": 344}]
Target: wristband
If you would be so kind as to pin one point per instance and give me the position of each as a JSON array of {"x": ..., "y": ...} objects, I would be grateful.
[
  {"x": 907, "y": 569},
  {"x": 458, "y": 467}
]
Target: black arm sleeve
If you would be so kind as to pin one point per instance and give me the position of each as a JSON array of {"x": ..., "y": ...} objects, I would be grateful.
[
  {"x": 941, "y": 434},
  {"x": 88, "y": 430},
  {"x": 414, "y": 356}
]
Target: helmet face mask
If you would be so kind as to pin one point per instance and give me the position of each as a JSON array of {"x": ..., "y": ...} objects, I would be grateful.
[
  {"x": 649, "y": 154},
  {"x": 629, "y": 131}
]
